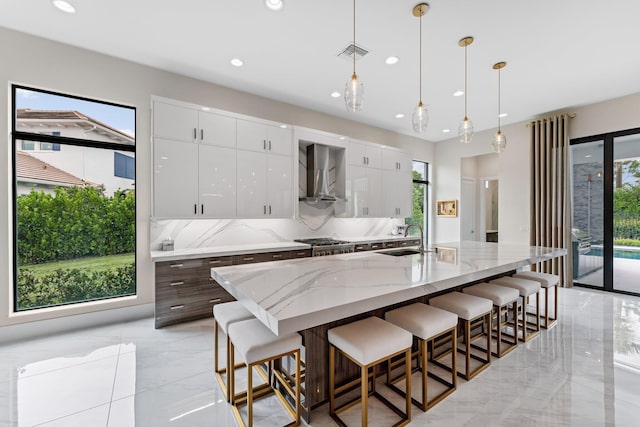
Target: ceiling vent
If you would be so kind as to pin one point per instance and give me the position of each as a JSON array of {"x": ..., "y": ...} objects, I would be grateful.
[{"x": 351, "y": 50}]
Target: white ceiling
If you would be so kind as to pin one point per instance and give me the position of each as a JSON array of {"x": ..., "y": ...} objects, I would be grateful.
[{"x": 560, "y": 53}]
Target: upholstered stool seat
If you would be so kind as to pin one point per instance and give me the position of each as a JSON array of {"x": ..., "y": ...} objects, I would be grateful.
[
  {"x": 427, "y": 324},
  {"x": 223, "y": 316},
  {"x": 367, "y": 343},
  {"x": 526, "y": 288},
  {"x": 257, "y": 345},
  {"x": 501, "y": 297},
  {"x": 546, "y": 281},
  {"x": 468, "y": 308}
]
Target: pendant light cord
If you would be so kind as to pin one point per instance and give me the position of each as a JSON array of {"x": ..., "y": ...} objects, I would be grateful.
[
  {"x": 499, "y": 70},
  {"x": 354, "y": 36},
  {"x": 465, "y": 81},
  {"x": 420, "y": 44}
]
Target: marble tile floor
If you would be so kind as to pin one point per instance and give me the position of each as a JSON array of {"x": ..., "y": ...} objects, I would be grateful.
[{"x": 583, "y": 372}]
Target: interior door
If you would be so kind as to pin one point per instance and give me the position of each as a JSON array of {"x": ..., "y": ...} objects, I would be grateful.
[{"x": 468, "y": 210}]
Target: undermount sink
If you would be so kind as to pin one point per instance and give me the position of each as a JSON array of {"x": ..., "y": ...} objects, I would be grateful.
[{"x": 400, "y": 252}]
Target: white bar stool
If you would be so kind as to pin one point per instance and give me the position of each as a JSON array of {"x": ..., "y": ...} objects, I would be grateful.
[
  {"x": 367, "y": 343},
  {"x": 258, "y": 345},
  {"x": 546, "y": 281},
  {"x": 468, "y": 308},
  {"x": 501, "y": 297},
  {"x": 223, "y": 316},
  {"x": 428, "y": 324},
  {"x": 526, "y": 288}
]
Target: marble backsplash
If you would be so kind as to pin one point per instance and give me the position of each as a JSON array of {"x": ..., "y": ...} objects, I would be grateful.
[{"x": 202, "y": 233}]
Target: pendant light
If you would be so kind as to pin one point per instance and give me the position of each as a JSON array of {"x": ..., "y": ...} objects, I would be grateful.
[
  {"x": 420, "y": 117},
  {"x": 499, "y": 143},
  {"x": 465, "y": 130},
  {"x": 354, "y": 89}
]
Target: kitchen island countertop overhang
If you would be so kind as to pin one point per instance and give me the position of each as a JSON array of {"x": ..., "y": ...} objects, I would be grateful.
[{"x": 294, "y": 295}]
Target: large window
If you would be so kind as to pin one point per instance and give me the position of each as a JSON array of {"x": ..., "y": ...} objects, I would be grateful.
[
  {"x": 420, "y": 197},
  {"x": 74, "y": 199}
]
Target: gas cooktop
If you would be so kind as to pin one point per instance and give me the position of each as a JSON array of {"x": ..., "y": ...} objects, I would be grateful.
[{"x": 322, "y": 241}]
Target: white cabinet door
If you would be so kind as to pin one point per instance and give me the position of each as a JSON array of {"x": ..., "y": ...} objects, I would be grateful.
[
  {"x": 365, "y": 186},
  {"x": 174, "y": 122},
  {"x": 279, "y": 186},
  {"x": 217, "y": 182},
  {"x": 251, "y": 136},
  {"x": 362, "y": 154},
  {"x": 396, "y": 160},
  {"x": 251, "y": 200},
  {"x": 397, "y": 192},
  {"x": 279, "y": 140},
  {"x": 175, "y": 179},
  {"x": 217, "y": 130},
  {"x": 374, "y": 156}
]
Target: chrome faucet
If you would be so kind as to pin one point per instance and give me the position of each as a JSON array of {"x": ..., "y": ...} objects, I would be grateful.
[{"x": 406, "y": 233}]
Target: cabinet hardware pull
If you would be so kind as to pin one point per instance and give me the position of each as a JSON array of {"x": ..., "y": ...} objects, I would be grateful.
[
  {"x": 277, "y": 256},
  {"x": 375, "y": 246},
  {"x": 176, "y": 307},
  {"x": 176, "y": 283},
  {"x": 264, "y": 209},
  {"x": 202, "y": 134},
  {"x": 364, "y": 160},
  {"x": 195, "y": 135},
  {"x": 269, "y": 209},
  {"x": 176, "y": 265},
  {"x": 300, "y": 254},
  {"x": 202, "y": 209},
  {"x": 248, "y": 258},
  {"x": 213, "y": 301},
  {"x": 269, "y": 145},
  {"x": 215, "y": 261},
  {"x": 264, "y": 144},
  {"x": 367, "y": 160},
  {"x": 195, "y": 209}
]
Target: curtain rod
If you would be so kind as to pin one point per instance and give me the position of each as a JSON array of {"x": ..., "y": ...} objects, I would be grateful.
[{"x": 548, "y": 118}]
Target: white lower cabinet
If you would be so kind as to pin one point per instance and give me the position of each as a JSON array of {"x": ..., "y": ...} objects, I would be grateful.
[
  {"x": 397, "y": 200},
  {"x": 364, "y": 192},
  {"x": 193, "y": 180},
  {"x": 265, "y": 185}
]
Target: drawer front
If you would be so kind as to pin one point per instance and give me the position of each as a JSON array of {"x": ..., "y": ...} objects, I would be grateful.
[
  {"x": 222, "y": 261},
  {"x": 305, "y": 253},
  {"x": 206, "y": 291},
  {"x": 375, "y": 246},
  {"x": 264, "y": 257},
  {"x": 391, "y": 244},
  {"x": 176, "y": 268},
  {"x": 187, "y": 311}
]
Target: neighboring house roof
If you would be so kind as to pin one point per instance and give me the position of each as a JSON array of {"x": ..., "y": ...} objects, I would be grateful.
[
  {"x": 67, "y": 118},
  {"x": 30, "y": 169}
]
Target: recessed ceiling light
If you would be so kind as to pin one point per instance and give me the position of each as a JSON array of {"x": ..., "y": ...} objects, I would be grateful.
[
  {"x": 283, "y": 126},
  {"x": 342, "y": 138},
  {"x": 274, "y": 4},
  {"x": 206, "y": 109},
  {"x": 237, "y": 62},
  {"x": 446, "y": 130},
  {"x": 335, "y": 94},
  {"x": 587, "y": 155},
  {"x": 399, "y": 116},
  {"x": 503, "y": 115},
  {"x": 64, "y": 6},
  {"x": 458, "y": 93},
  {"x": 391, "y": 60}
]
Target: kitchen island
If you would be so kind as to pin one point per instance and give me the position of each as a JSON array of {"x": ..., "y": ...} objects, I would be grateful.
[{"x": 312, "y": 295}]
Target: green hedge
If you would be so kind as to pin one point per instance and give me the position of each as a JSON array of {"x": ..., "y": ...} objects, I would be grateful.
[
  {"x": 74, "y": 222},
  {"x": 626, "y": 227},
  {"x": 73, "y": 285}
]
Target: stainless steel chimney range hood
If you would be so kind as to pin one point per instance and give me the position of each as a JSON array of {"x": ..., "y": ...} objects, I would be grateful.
[{"x": 318, "y": 175}]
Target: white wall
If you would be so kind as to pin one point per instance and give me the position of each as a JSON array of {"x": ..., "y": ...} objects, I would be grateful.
[
  {"x": 79, "y": 72},
  {"x": 514, "y": 164}
]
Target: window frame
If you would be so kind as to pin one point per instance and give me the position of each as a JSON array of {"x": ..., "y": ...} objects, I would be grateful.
[
  {"x": 427, "y": 185},
  {"x": 57, "y": 141}
]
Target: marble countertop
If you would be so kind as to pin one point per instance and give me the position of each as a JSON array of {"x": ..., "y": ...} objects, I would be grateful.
[
  {"x": 178, "y": 254},
  {"x": 293, "y": 295},
  {"x": 192, "y": 253}
]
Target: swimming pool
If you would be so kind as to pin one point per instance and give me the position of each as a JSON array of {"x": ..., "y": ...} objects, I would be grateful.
[{"x": 618, "y": 252}]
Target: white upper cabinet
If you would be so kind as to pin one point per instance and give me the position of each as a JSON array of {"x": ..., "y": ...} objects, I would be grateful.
[
  {"x": 175, "y": 122},
  {"x": 188, "y": 124},
  {"x": 251, "y": 201},
  {"x": 364, "y": 190},
  {"x": 280, "y": 186},
  {"x": 175, "y": 179},
  {"x": 397, "y": 200},
  {"x": 365, "y": 154},
  {"x": 217, "y": 181},
  {"x": 396, "y": 160},
  {"x": 254, "y": 136},
  {"x": 215, "y": 129}
]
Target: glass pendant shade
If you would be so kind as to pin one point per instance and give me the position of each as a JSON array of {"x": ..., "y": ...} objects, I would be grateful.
[
  {"x": 420, "y": 118},
  {"x": 354, "y": 94},
  {"x": 465, "y": 131},
  {"x": 499, "y": 143}
]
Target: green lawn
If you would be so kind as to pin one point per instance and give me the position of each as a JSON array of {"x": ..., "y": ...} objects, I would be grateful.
[{"x": 90, "y": 263}]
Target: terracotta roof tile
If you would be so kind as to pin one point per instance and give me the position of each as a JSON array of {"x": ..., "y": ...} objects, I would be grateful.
[{"x": 28, "y": 167}]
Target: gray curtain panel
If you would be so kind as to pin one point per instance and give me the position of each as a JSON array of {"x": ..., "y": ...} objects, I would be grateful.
[{"x": 550, "y": 193}]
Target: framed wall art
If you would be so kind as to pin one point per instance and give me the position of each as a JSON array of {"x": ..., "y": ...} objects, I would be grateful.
[{"x": 447, "y": 208}]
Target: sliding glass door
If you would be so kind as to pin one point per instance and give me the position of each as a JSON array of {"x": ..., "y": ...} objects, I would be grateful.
[{"x": 606, "y": 211}]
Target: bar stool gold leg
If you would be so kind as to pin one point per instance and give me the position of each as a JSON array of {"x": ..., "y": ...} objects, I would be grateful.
[{"x": 364, "y": 374}]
